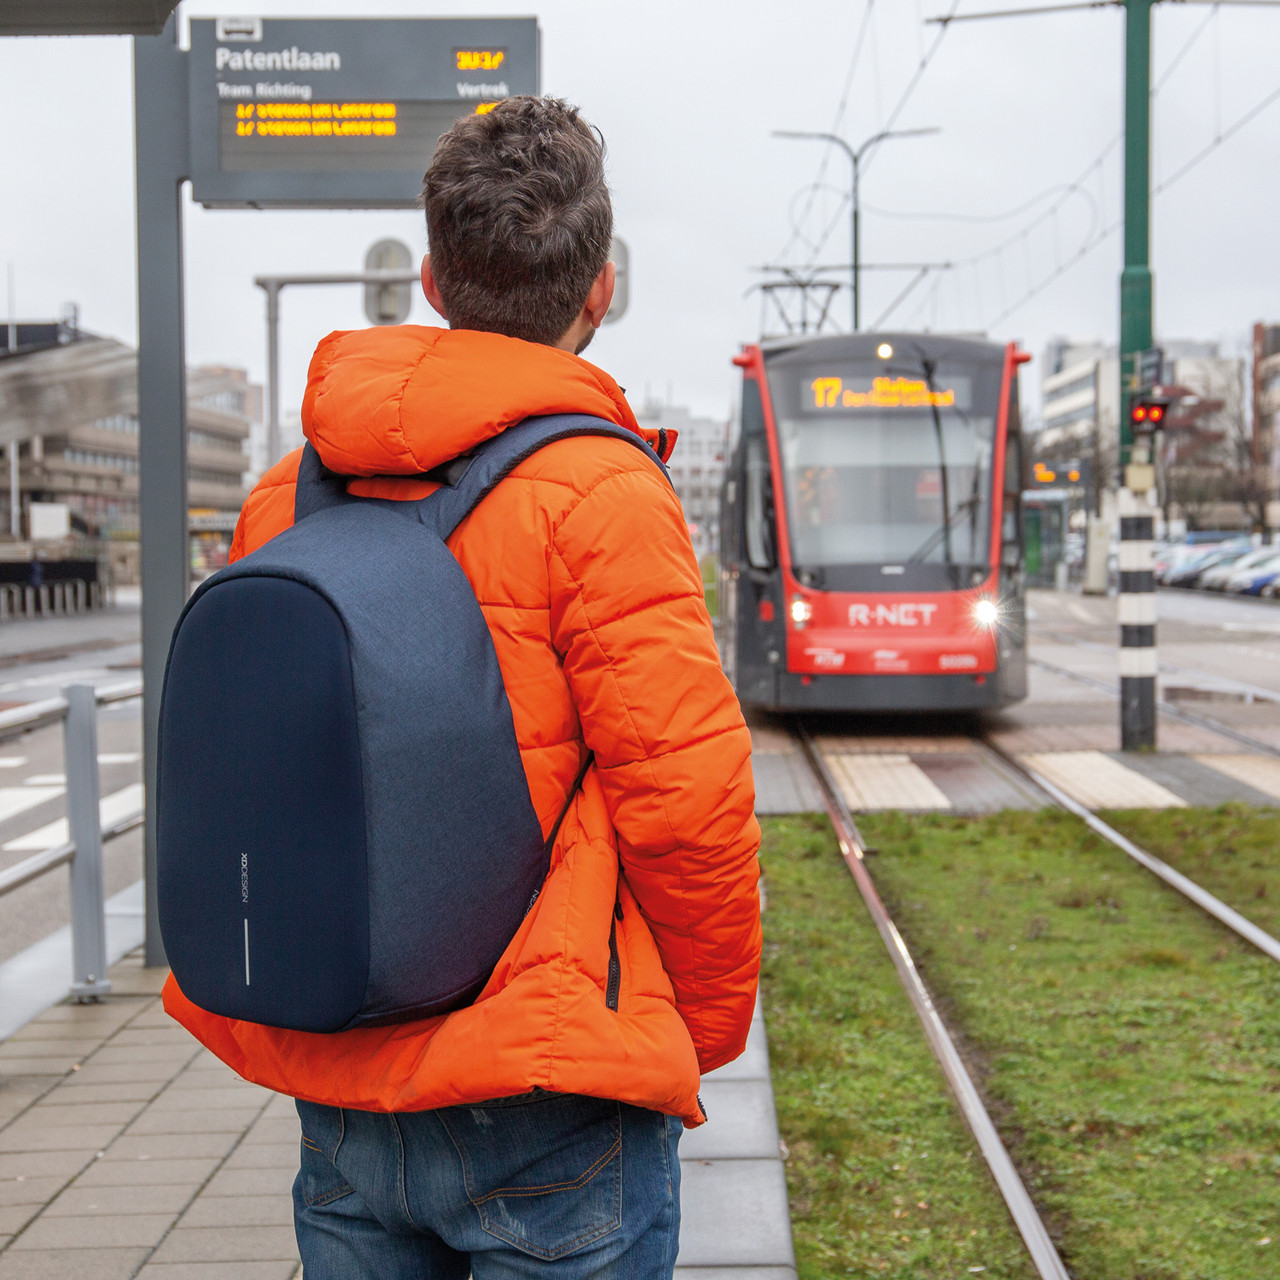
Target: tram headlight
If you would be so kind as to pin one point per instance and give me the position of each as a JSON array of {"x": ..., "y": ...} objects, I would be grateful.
[
  {"x": 884, "y": 351},
  {"x": 801, "y": 612},
  {"x": 986, "y": 613}
]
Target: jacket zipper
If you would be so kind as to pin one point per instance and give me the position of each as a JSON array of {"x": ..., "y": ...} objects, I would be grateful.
[{"x": 614, "y": 984}]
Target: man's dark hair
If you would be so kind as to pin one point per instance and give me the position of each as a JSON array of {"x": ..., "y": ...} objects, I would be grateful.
[{"x": 518, "y": 218}]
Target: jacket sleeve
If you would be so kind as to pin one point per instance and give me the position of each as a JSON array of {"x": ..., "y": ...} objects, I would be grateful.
[{"x": 672, "y": 751}]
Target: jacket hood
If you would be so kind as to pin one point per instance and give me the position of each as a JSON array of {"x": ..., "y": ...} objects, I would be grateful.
[{"x": 400, "y": 400}]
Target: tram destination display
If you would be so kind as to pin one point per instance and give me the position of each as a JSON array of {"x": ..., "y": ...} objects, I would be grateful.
[{"x": 345, "y": 113}]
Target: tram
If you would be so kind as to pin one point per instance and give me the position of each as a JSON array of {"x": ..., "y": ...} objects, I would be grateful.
[{"x": 871, "y": 548}]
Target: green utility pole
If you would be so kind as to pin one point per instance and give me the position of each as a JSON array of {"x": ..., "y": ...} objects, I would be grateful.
[{"x": 1135, "y": 280}]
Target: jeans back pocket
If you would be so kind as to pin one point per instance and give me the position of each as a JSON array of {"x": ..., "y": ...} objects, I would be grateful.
[
  {"x": 323, "y": 1128},
  {"x": 544, "y": 1175}
]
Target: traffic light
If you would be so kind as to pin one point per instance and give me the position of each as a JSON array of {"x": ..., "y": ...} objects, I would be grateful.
[{"x": 1147, "y": 412}]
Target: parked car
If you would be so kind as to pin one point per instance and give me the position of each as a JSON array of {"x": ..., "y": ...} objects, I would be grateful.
[
  {"x": 1172, "y": 556},
  {"x": 1252, "y": 580},
  {"x": 1216, "y": 579},
  {"x": 1188, "y": 573}
]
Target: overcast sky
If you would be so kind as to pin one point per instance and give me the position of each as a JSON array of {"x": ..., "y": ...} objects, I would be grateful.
[{"x": 687, "y": 94}]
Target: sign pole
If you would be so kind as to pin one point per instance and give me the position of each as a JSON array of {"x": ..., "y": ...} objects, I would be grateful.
[
  {"x": 160, "y": 107},
  {"x": 1137, "y": 602},
  {"x": 273, "y": 373}
]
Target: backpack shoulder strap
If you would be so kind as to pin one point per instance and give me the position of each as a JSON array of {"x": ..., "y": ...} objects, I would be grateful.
[{"x": 445, "y": 509}]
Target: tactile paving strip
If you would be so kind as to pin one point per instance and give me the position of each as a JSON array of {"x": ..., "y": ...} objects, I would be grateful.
[
  {"x": 1262, "y": 773},
  {"x": 1099, "y": 782},
  {"x": 885, "y": 782}
]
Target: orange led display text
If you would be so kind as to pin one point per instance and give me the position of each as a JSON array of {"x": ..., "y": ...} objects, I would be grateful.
[
  {"x": 480, "y": 59},
  {"x": 315, "y": 119},
  {"x": 885, "y": 393}
]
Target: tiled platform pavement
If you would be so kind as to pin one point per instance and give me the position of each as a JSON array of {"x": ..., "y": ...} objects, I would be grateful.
[
  {"x": 955, "y": 774},
  {"x": 126, "y": 1151}
]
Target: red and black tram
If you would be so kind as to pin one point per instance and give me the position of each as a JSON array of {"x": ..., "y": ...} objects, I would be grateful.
[{"x": 871, "y": 526}]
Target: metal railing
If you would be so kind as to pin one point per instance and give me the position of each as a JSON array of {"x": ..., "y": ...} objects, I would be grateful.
[
  {"x": 50, "y": 599},
  {"x": 77, "y": 709}
]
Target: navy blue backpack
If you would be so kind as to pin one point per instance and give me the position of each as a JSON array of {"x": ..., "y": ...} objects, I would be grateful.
[{"x": 345, "y": 835}]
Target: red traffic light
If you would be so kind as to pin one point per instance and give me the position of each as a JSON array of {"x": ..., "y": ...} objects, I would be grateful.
[{"x": 1147, "y": 411}]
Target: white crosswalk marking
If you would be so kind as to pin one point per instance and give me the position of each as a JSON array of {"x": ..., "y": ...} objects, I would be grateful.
[
  {"x": 1099, "y": 782},
  {"x": 16, "y": 800},
  {"x": 119, "y": 804}
]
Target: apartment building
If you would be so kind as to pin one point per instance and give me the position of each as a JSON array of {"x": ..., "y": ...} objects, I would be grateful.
[
  {"x": 69, "y": 420},
  {"x": 697, "y": 468}
]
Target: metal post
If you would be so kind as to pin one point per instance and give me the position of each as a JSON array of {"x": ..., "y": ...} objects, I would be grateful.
[
  {"x": 1137, "y": 605},
  {"x": 15, "y": 492},
  {"x": 857, "y": 242},
  {"x": 88, "y": 919},
  {"x": 273, "y": 372},
  {"x": 160, "y": 112},
  {"x": 1135, "y": 279},
  {"x": 12, "y": 344}
]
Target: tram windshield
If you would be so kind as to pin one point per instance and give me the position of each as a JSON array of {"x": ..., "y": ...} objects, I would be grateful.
[{"x": 887, "y": 468}]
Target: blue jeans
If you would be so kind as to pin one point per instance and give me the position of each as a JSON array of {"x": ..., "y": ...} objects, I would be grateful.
[{"x": 526, "y": 1188}]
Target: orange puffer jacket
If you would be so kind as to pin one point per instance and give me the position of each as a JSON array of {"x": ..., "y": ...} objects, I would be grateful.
[{"x": 582, "y": 564}]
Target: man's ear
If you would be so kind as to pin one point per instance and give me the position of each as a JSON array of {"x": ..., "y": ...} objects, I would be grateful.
[
  {"x": 601, "y": 295},
  {"x": 432, "y": 291}
]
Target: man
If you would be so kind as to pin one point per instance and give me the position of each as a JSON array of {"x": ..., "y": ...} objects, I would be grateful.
[{"x": 533, "y": 1133}]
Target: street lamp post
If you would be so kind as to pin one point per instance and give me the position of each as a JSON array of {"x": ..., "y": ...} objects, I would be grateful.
[{"x": 855, "y": 161}]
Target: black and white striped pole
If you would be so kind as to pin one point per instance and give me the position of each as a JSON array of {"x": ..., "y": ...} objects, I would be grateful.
[{"x": 1137, "y": 601}]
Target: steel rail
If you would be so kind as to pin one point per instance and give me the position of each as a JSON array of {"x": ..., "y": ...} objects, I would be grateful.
[
  {"x": 1255, "y": 691},
  {"x": 32, "y": 868},
  {"x": 35, "y": 866},
  {"x": 1165, "y": 706},
  {"x": 1027, "y": 1219},
  {"x": 1203, "y": 899},
  {"x": 125, "y": 691},
  {"x": 35, "y": 715}
]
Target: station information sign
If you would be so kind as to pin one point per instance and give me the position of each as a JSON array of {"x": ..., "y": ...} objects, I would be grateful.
[{"x": 340, "y": 113}]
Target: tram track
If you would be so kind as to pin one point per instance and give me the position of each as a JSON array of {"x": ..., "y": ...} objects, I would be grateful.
[
  {"x": 1163, "y": 705},
  {"x": 1200, "y": 896},
  {"x": 1026, "y": 1216},
  {"x": 1022, "y": 1209}
]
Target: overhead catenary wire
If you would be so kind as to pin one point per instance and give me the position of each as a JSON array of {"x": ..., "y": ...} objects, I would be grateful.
[
  {"x": 921, "y": 67},
  {"x": 926, "y": 57},
  {"x": 1065, "y": 189},
  {"x": 825, "y": 159},
  {"x": 1099, "y": 232},
  {"x": 1159, "y": 189}
]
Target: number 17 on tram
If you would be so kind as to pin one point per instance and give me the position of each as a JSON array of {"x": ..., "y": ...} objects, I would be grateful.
[{"x": 871, "y": 526}]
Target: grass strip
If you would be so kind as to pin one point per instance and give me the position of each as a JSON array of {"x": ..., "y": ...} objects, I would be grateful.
[
  {"x": 1128, "y": 1042},
  {"x": 1230, "y": 850},
  {"x": 883, "y": 1177}
]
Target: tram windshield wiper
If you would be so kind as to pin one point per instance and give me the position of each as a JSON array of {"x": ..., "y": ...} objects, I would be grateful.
[{"x": 943, "y": 530}]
